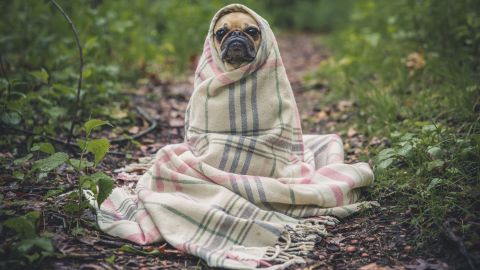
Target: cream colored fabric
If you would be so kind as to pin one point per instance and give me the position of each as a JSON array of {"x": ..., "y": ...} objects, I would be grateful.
[{"x": 236, "y": 192}]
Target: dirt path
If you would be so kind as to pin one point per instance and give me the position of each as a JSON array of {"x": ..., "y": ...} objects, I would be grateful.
[{"x": 375, "y": 239}]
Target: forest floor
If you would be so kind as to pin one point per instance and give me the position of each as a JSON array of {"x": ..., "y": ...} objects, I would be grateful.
[{"x": 374, "y": 239}]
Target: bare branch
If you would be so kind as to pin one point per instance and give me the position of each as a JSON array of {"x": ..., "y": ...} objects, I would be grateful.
[{"x": 80, "y": 70}]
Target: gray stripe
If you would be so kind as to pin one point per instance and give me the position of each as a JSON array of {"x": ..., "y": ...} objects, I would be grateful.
[
  {"x": 254, "y": 104},
  {"x": 266, "y": 145},
  {"x": 236, "y": 157},
  {"x": 196, "y": 236},
  {"x": 243, "y": 105},
  {"x": 234, "y": 184},
  {"x": 258, "y": 152},
  {"x": 210, "y": 213},
  {"x": 206, "y": 104},
  {"x": 246, "y": 165},
  {"x": 231, "y": 106},
  {"x": 268, "y": 227},
  {"x": 248, "y": 189},
  {"x": 257, "y": 211},
  {"x": 219, "y": 241},
  {"x": 226, "y": 150},
  {"x": 261, "y": 194},
  {"x": 322, "y": 147},
  {"x": 232, "y": 229}
]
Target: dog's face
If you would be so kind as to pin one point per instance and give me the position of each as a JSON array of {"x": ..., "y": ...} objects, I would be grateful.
[{"x": 237, "y": 38}]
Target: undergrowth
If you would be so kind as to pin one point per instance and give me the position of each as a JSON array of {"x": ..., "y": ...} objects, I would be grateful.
[{"x": 413, "y": 68}]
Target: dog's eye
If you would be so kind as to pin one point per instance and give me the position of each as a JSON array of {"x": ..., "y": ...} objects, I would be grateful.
[
  {"x": 252, "y": 31},
  {"x": 220, "y": 33}
]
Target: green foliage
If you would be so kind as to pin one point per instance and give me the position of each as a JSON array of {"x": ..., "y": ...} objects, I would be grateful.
[
  {"x": 51, "y": 162},
  {"x": 317, "y": 15},
  {"x": 408, "y": 64},
  {"x": 436, "y": 168},
  {"x": 43, "y": 147},
  {"x": 99, "y": 183},
  {"x": 29, "y": 247},
  {"x": 92, "y": 124}
]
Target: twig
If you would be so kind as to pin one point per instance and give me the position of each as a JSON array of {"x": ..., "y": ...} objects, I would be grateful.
[
  {"x": 80, "y": 70},
  {"x": 457, "y": 240},
  {"x": 53, "y": 139},
  {"x": 4, "y": 72},
  {"x": 152, "y": 122},
  {"x": 34, "y": 188}
]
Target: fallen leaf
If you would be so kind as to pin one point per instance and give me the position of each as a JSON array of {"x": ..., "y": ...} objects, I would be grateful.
[
  {"x": 133, "y": 130},
  {"x": 351, "y": 132},
  {"x": 343, "y": 105},
  {"x": 415, "y": 61}
]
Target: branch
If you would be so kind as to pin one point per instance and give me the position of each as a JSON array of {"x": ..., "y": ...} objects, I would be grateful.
[
  {"x": 4, "y": 72},
  {"x": 53, "y": 139},
  {"x": 80, "y": 70},
  {"x": 153, "y": 126},
  {"x": 448, "y": 231}
]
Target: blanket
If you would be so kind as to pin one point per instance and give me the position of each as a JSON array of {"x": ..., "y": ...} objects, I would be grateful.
[{"x": 246, "y": 189}]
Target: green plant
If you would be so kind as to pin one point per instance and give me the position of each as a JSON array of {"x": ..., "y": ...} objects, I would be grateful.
[
  {"x": 98, "y": 183},
  {"x": 406, "y": 65},
  {"x": 437, "y": 171},
  {"x": 27, "y": 246}
]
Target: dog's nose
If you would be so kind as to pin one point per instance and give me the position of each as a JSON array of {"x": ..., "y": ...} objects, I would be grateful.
[{"x": 236, "y": 33}]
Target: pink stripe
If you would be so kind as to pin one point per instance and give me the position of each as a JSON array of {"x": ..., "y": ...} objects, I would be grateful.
[
  {"x": 112, "y": 208},
  {"x": 219, "y": 74},
  {"x": 158, "y": 181},
  {"x": 337, "y": 192},
  {"x": 305, "y": 170},
  {"x": 305, "y": 181},
  {"x": 335, "y": 158},
  {"x": 141, "y": 215},
  {"x": 182, "y": 168},
  {"x": 219, "y": 178},
  {"x": 201, "y": 76},
  {"x": 174, "y": 176},
  {"x": 142, "y": 238},
  {"x": 337, "y": 176},
  {"x": 166, "y": 156}
]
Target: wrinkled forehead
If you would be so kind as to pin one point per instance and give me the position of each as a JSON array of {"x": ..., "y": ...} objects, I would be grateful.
[{"x": 236, "y": 19}]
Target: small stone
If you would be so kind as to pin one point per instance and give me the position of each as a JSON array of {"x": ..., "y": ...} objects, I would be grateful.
[
  {"x": 351, "y": 249},
  {"x": 333, "y": 247},
  {"x": 364, "y": 255},
  {"x": 370, "y": 239}
]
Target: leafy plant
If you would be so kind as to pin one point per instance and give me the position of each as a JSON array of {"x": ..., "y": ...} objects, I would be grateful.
[
  {"x": 27, "y": 246},
  {"x": 437, "y": 169},
  {"x": 408, "y": 64},
  {"x": 99, "y": 183}
]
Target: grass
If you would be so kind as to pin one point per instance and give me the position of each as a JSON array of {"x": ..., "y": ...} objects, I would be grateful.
[{"x": 426, "y": 101}]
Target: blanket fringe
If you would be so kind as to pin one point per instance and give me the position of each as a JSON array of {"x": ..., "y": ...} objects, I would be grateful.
[{"x": 299, "y": 241}]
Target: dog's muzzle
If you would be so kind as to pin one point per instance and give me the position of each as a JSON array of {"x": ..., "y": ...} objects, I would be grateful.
[{"x": 237, "y": 48}]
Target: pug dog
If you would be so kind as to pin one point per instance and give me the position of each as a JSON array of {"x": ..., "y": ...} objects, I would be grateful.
[{"x": 237, "y": 38}]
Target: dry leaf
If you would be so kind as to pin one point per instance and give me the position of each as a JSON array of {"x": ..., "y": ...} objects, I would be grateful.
[
  {"x": 133, "y": 130},
  {"x": 415, "y": 61},
  {"x": 352, "y": 132}
]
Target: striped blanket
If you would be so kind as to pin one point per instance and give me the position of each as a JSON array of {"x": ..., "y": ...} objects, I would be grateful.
[{"x": 246, "y": 189}]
